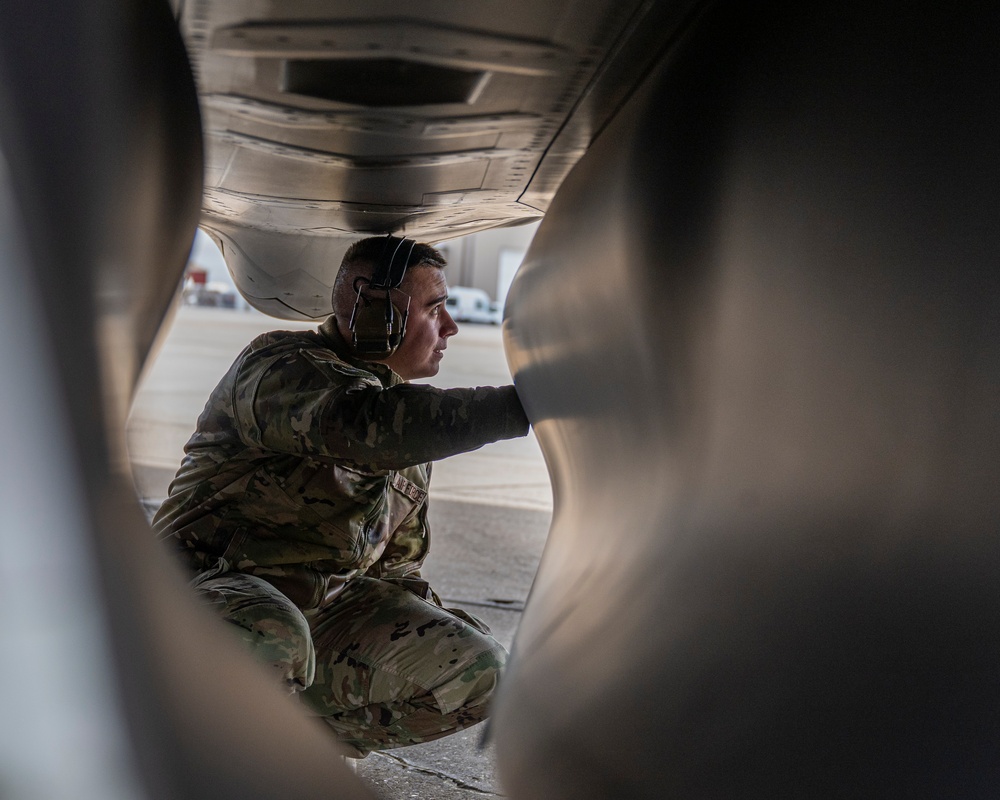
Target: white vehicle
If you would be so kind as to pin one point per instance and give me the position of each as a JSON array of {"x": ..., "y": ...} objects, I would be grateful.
[{"x": 472, "y": 305}]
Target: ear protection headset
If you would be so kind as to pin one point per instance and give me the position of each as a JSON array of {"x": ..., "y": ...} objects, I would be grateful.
[{"x": 377, "y": 324}]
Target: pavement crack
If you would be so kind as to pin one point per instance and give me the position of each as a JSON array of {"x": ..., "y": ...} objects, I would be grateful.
[
  {"x": 489, "y": 602},
  {"x": 434, "y": 773}
]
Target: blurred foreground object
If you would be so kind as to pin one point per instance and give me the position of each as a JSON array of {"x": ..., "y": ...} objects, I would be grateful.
[
  {"x": 758, "y": 336},
  {"x": 115, "y": 685}
]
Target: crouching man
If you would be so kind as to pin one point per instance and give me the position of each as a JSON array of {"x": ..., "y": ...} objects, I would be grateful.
[{"x": 301, "y": 505}]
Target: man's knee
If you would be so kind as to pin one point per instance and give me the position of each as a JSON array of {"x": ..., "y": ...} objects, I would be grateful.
[
  {"x": 472, "y": 687},
  {"x": 267, "y": 622}
]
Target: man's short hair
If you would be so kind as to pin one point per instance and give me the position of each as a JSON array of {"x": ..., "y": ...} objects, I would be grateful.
[
  {"x": 359, "y": 262},
  {"x": 367, "y": 252}
]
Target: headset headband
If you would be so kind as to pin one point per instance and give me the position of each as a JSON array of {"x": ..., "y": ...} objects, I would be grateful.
[{"x": 392, "y": 264}]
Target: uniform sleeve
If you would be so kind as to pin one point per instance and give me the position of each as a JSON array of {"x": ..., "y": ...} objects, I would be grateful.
[{"x": 314, "y": 409}]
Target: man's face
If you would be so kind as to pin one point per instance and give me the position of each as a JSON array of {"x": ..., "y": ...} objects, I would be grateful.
[{"x": 428, "y": 326}]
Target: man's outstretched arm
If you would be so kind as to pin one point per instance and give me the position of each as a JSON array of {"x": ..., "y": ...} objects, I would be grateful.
[{"x": 382, "y": 428}]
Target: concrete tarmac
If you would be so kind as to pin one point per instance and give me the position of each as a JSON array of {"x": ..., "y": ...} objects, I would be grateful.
[{"x": 489, "y": 510}]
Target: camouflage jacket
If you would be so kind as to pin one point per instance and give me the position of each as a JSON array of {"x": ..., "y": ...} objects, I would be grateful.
[{"x": 308, "y": 467}]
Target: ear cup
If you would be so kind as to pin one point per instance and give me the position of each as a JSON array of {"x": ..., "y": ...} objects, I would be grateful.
[{"x": 379, "y": 326}]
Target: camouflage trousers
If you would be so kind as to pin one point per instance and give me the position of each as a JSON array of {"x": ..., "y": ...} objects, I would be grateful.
[{"x": 383, "y": 666}]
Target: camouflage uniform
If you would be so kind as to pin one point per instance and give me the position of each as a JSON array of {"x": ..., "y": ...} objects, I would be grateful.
[{"x": 301, "y": 505}]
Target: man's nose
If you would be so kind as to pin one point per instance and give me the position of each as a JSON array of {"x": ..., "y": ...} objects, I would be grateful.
[{"x": 450, "y": 327}]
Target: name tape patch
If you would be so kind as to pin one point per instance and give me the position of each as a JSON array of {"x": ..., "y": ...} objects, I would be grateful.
[{"x": 409, "y": 488}]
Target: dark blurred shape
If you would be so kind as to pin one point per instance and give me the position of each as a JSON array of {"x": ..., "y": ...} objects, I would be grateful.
[
  {"x": 758, "y": 334},
  {"x": 100, "y": 133}
]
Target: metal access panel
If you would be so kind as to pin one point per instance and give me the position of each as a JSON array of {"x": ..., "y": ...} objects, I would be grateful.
[{"x": 327, "y": 121}]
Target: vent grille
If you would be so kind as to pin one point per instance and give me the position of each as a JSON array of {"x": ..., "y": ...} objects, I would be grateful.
[{"x": 381, "y": 83}]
